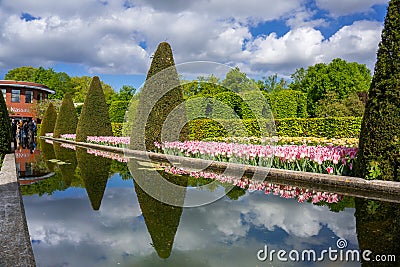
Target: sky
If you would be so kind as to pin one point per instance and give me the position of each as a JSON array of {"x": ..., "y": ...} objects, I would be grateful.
[{"x": 115, "y": 39}]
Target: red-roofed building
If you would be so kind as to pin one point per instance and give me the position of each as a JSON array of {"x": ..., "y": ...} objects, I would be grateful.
[{"x": 20, "y": 97}]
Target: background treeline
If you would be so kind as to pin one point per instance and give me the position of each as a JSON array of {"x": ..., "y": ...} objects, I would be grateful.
[{"x": 337, "y": 89}]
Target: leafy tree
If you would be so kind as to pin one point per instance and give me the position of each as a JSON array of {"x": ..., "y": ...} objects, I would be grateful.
[
  {"x": 94, "y": 119},
  {"x": 49, "y": 120},
  {"x": 126, "y": 93},
  {"x": 81, "y": 86},
  {"x": 26, "y": 73},
  {"x": 237, "y": 81},
  {"x": 332, "y": 106},
  {"x": 160, "y": 95},
  {"x": 66, "y": 120},
  {"x": 40, "y": 107},
  {"x": 272, "y": 83},
  {"x": 378, "y": 156},
  {"x": 5, "y": 128},
  {"x": 338, "y": 76}
]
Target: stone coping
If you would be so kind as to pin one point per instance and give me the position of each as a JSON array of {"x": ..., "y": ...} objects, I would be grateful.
[
  {"x": 352, "y": 186},
  {"x": 15, "y": 244}
]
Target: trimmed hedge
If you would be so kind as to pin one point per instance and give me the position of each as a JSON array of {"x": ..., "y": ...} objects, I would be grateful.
[
  {"x": 49, "y": 120},
  {"x": 94, "y": 119},
  {"x": 117, "y": 111},
  {"x": 67, "y": 119},
  {"x": 288, "y": 104},
  {"x": 344, "y": 127},
  {"x": 5, "y": 128}
]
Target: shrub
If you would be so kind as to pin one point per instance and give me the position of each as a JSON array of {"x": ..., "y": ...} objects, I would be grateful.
[
  {"x": 346, "y": 127},
  {"x": 160, "y": 95},
  {"x": 288, "y": 104},
  {"x": 66, "y": 120},
  {"x": 94, "y": 119},
  {"x": 5, "y": 128},
  {"x": 255, "y": 104},
  {"x": 117, "y": 111},
  {"x": 381, "y": 123},
  {"x": 49, "y": 120}
]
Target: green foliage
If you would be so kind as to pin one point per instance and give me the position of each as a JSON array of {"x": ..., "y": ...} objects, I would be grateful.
[
  {"x": 338, "y": 76},
  {"x": 126, "y": 93},
  {"x": 271, "y": 83},
  {"x": 288, "y": 104},
  {"x": 5, "y": 128},
  {"x": 118, "y": 129},
  {"x": 94, "y": 119},
  {"x": 40, "y": 107},
  {"x": 237, "y": 81},
  {"x": 46, "y": 186},
  {"x": 332, "y": 106},
  {"x": 231, "y": 105},
  {"x": 94, "y": 172},
  {"x": 256, "y": 104},
  {"x": 66, "y": 120},
  {"x": 204, "y": 86},
  {"x": 81, "y": 87},
  {"x": 381, "y": 123},
  {"x": 345, "y": 127},
  {"x": 117, "y": 111},
  {"x": 49, "y": 120},
  {"x": 160, "y": 95}
]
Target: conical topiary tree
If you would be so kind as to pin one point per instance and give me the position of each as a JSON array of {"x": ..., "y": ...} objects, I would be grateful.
[
  {"x": 5, "y": 128},
  {"x": 378, "y": 156},
  {"x": 49, "y": 120},
  {"x": 66, "y": 119},
  {"x": 94, "y": 119},
  {"x": 160, "y": 95}
]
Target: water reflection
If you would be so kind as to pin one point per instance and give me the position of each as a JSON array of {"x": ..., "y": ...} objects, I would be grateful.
[
  {"x": 124, "y": 226},
  {"x": 94, "y": 172},
  {"x": 378, "y": 229}
]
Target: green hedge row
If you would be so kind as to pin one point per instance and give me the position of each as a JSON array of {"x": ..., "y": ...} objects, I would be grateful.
[
  {"x": 346, "y": 127},
  {"x": 117, "y": 111},
  {"x": 342, "y": 127}
]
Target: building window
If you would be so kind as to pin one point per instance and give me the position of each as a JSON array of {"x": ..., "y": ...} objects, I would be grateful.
[
  {"x": 15, "y": 95},
  {"x": 40, "y": 96},
  {"x": 28, "y": 96},
  {"x": 4, "y": 94}
]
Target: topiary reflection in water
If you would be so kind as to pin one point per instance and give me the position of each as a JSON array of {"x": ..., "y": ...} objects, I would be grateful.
[
  {"x": 48, "y": 154},
  {"x": 378, "y": 229},
  {"x": 69, "y": 157},
  {"x": 162, "y": 220},
  {"x": 94, "y": 172}
]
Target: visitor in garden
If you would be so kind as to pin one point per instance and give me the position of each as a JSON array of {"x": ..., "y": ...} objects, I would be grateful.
[{"x": 13, "y": 129}]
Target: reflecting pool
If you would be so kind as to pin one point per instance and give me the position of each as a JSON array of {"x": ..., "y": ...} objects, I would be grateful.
[{"x": 93, "y": 213}]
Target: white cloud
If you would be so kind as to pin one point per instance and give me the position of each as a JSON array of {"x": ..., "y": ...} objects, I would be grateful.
[
  {"x": 107, "y": 37},
  {"x": 345, "y": 7}
]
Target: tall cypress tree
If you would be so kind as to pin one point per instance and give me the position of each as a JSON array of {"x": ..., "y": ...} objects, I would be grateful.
[
  {"x": 66, "y": 119},
  {"x": 5, "y": 128},
  {"x": 49, "y": 120},
  {"x": 378, "y": 156},
  {"x": 94, "y": 119},
  {"x": 160, "y": 95}
]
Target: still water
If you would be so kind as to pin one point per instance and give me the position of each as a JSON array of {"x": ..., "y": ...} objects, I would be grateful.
[{"x": 91, "y": 212}]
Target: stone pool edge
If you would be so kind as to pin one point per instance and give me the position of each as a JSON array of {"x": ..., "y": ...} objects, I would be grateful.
[
  {"x": 15, "y": 245},
  {"x": 349, "y": 185}
]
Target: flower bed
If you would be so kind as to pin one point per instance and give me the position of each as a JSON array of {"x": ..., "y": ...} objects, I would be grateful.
[{"x": 337, "y": 160}]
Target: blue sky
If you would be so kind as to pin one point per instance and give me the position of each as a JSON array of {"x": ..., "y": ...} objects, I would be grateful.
[{"x": 115, "y": 39}]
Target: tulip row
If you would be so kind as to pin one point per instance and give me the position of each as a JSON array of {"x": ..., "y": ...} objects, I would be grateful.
[
  {"x": 283, "y": 140},
  {"x": 319, "y": 159},
  {"x": 286, "y": 191}
]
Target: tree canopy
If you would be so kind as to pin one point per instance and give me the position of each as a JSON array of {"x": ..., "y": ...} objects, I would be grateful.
[{"x": 339, "y": 77}]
